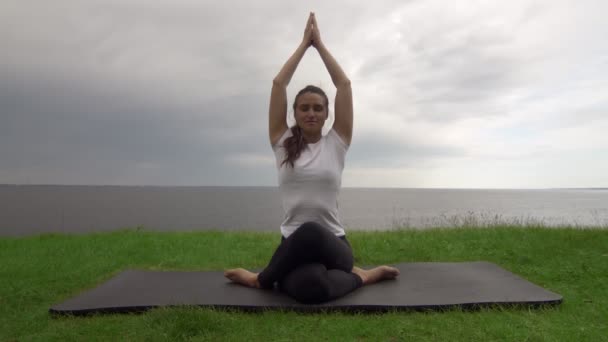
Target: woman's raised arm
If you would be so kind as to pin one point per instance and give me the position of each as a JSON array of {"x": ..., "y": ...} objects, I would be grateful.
[
  {"x": 277, "y": 124},
  {"x": 343, "y": 124}
]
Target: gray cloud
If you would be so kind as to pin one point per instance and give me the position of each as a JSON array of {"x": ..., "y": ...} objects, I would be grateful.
[
  {"x": 71, "y": 125},
  {"x": 372, "y": 151},
  {"x": 452, "y": 70}
]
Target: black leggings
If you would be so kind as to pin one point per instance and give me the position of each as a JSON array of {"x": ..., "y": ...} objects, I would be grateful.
[{"x": 312, "y": 265}]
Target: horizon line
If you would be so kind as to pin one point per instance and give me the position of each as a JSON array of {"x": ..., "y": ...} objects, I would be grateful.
[{"x": 276, "y": 186}]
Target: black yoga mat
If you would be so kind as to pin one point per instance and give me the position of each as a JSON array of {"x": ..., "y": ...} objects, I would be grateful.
[{"x": 426, "y": 285}]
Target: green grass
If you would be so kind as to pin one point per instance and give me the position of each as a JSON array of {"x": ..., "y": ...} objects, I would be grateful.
[{"x": 37, "y": 272}]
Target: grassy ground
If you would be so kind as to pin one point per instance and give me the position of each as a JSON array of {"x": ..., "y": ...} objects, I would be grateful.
[{"x": 37, "y": 272}]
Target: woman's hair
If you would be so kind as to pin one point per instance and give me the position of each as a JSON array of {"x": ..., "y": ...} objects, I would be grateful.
[{"x": 296, "y": 143}]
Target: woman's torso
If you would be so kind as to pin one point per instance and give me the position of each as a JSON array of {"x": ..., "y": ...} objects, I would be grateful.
[{"x": 310, "y": 189}]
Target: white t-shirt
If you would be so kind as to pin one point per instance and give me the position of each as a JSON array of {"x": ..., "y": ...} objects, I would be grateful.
[{"x": 310, "y": 190}]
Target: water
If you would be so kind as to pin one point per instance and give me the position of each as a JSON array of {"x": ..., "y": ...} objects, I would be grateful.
[{"x": 31, "y": 209}]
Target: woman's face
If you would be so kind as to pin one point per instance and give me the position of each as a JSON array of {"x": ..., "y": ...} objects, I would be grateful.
[{"x": 311, "y": 113}]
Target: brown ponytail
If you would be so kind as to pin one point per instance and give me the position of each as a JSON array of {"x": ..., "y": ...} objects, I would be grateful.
[
  {"x": 293, "y": 146},
  {"x": 296, "y": 143}
]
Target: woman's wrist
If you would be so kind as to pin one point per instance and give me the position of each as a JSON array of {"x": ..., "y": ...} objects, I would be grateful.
[
  {"x": 304, "y": 44},
  {"x": 301, "y": 50},
  {"x": 321, "y": 49},
  {"x": 319, "y": 45}
]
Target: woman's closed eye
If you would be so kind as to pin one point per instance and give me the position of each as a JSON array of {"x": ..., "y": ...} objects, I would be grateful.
[{"x": 316, "y": 108}]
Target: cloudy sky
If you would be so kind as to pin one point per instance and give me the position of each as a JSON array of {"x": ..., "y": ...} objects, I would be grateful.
[{"x": 459, "y": 94}]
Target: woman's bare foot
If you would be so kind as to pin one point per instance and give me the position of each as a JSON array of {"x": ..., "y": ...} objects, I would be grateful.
[
  {"x": 376, "y": 274},
  {"x": 243, "y": 277}
]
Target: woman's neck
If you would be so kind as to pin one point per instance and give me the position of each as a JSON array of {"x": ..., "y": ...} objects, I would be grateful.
[{"x": 311, "y": 138}]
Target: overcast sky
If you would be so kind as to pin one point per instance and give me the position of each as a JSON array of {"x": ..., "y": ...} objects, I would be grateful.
[{"x": 451, "y": 94}]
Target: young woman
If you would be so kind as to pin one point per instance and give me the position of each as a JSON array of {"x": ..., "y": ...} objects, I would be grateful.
[{"x": 314, "y": 262}]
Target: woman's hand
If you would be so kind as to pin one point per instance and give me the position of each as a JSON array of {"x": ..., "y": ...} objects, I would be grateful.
[
  {"x": 308, "y": 32},
  {"x": 316, "y": 35}
]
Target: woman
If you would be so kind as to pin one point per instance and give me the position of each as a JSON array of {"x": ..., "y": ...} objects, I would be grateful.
[{"x": 314, "y": 262}]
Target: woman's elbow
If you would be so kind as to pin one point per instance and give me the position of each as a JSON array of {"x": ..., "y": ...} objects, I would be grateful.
[
  {"x": 345, "y": 83},
  {"x": 278, "y": 83}
]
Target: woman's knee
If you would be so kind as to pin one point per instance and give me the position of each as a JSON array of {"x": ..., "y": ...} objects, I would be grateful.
[{"x": 308, "y": 284}]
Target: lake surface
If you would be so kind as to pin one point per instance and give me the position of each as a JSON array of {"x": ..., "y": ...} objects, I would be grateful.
[{"x": 32, "y": 209}]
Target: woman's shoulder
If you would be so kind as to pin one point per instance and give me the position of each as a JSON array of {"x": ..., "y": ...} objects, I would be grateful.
[
  {"x": 282, "y": 138},
  {"x": 335, "y": 138}
]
